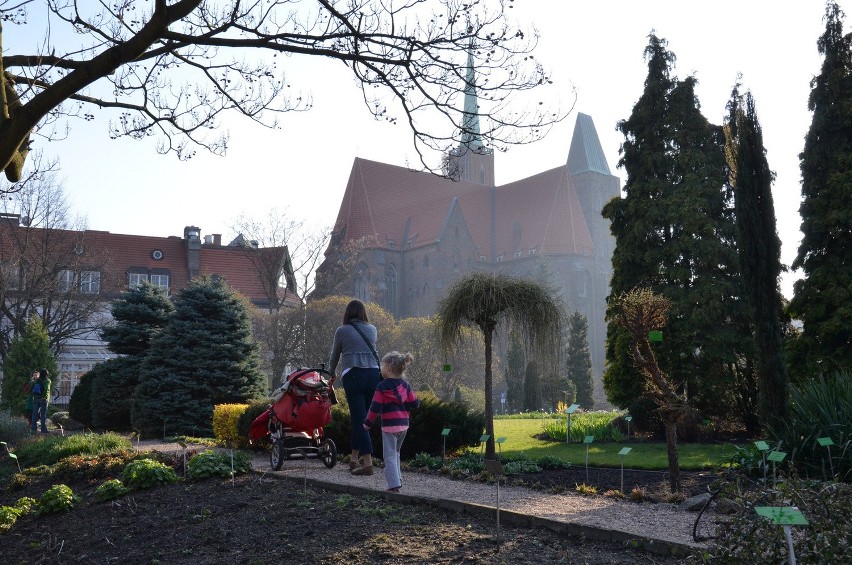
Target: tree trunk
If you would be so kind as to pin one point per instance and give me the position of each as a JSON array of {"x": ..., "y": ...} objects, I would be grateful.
[
  {"x": 671, "y": 448},
  {"x": 489, "y": 404}
]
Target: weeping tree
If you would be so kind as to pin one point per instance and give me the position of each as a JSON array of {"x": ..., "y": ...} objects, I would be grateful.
[
  {"x": 640, "y": 311},
  {"x": 485, "y": 301}
]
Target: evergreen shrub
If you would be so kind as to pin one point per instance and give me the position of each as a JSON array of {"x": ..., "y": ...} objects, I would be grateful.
[
  {"x": 253, "y": 409},
  {"x": 80, "y": 404},
  {"x": 225, "y": 428}
]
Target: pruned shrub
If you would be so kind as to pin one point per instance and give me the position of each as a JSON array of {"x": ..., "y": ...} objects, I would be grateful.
[
  {"x": 225, "y": 424},
  {"x": 80, "y": 404},
  {"x": 113, "y": 383}
]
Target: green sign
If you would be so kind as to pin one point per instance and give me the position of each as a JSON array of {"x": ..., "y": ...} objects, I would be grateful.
[
  {"x": 825, "y": 441},
  {"x": 761, "y": 445},
  {"x": 589, "y": 439},
  {"x": 447, "y": 368},
  {"x": 777, "y": 456},
  {"x": 628, "y": 418},
  {"x": 782, "y": 515},
  {"x": 445, "y": 432},
  {"x": 484, "y": 437},
  {"x": 571, "y": 409},
  {"x": 655, "y": 335},
  {"x": 500, "y": 440},
  {"x": 625, "y": 450}
]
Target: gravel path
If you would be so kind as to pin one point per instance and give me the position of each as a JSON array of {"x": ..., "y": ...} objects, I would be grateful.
[{"x": 659, "y": 521}]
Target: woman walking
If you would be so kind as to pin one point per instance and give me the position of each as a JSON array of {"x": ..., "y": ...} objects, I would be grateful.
[{"x": 354, "y": 348}]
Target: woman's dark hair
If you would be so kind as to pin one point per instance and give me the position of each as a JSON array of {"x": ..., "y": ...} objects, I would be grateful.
[
  {"x": 355, "y": 310},
  {"x": 43, "y": 373}
]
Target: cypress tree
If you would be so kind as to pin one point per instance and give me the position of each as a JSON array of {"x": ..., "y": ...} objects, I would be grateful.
[
  {"x": 515, "y": 360},
  {"x": 823, "y": 299},
  {"x": 579, "y": 360},
  {"x": 675, "y": 234},
  {"x": 759, "y": 250},
  {"x": 204, "y": 356},
  {"x": 532, "y": 388},
  {"x": 30, "y": 351}
]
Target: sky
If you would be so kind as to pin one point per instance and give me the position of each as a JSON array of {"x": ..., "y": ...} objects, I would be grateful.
[{"x": 593, "y": 49}]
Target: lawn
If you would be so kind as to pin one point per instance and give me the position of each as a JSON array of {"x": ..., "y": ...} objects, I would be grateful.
[{"x": 643, "y": 455}]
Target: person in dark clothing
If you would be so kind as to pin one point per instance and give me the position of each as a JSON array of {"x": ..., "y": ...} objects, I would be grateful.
[{"x": 40, "y": 391}]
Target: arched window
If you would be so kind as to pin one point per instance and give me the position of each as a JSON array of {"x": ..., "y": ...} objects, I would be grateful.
[
  {"x": 362, "y": 283},
  {"x": 391, "y": 295}
]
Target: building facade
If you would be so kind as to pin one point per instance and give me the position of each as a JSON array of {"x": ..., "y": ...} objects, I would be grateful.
[{"x": 70, "y": 278}]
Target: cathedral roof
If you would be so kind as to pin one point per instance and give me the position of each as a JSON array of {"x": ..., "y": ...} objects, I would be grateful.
[
  {"x": 395, "y": 207},
  {"x": 586, "y": 153}
]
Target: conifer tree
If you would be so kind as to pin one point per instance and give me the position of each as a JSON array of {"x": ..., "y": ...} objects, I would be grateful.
[
  {"x": 30, "y": 351},
  {"x": 759, "y": 250},
  {"x": 675, "y": 234},
  {"x": 532, "y": 388},
  {"x": 579, "y": 360},
  {"x": 204, "y": 356},
  {"x": 139, "y": 315},
  {"x": 823, "y": 299},
  {"x": 515, "y": 363}
]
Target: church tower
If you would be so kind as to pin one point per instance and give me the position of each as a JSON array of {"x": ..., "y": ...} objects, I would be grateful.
[{"x": 471, "y": 161}]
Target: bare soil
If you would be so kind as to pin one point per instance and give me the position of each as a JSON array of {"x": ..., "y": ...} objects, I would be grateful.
[{"x": 263, "y": 520}]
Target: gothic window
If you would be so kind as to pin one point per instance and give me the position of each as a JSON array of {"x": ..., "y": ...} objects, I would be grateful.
[
  {"x": 425, "y": 261},
  {"x": 391, "y": 292},
  {"x": 362, "y": 283}
]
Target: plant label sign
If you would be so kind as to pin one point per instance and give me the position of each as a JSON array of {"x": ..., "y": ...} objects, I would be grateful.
[
  {"x": 825, "y": 441},
  {"x": 494, "y": 467},
  {"x": 761, "y": 445},
  {"x": 500, "y": 440},
  {"x": 484, "y": 438},
  {"x": 655, "y": 335},
  {"x": 624, "y": 451},
  {"x": 776, "y": 456},
  {"x": 445, "y": 432},
  {"x": 628, "y": 418},
  {"x": 782, "y": 515},
  {"x": 589, "y": 439},
  {"x": 571, "y": 409},
  {"x": 448, "y": 368}
]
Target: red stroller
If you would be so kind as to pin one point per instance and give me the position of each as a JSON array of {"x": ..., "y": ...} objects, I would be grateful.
[{"x": 294, "y": 422}]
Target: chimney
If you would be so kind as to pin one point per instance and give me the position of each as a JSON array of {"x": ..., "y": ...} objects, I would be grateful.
[
  {"x": 208, "y": 239},
  {"x": 192, "y": 238},
  {"x": 217, "y": 239}
]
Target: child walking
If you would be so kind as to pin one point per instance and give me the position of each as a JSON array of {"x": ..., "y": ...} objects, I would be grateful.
[{"x": 393, "y": 401}]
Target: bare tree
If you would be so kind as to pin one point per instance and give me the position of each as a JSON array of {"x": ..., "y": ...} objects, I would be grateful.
[
  {"x": 171, "y": 68},
  {"x": 285, "y": 253},
  {"x": 46, "y": 267}
]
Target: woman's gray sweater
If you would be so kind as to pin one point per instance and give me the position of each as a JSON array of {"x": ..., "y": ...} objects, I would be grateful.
[{"x": 350, "y": 349}]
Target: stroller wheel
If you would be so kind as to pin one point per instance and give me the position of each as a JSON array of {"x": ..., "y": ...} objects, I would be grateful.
[
  {"x": 328, "y": 453},
  {"x": 277, "y": 454}
]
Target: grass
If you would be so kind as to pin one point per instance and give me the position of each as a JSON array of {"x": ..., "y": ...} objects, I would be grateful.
[{"x": 519, "y": 439}]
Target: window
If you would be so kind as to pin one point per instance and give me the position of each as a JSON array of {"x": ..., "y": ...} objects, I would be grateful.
[
  {"x": 391, "y": 296},
  {"x": 362, "y": 283},
  {"x": 90, "y": 282},
  {"x": 137, "y": 279},
  {"x": 66, "y": 280},
  {"x": 160, "y": 280}
]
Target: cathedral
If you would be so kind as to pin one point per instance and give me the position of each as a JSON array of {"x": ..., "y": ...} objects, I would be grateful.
[{"x": 408, "y": 236}]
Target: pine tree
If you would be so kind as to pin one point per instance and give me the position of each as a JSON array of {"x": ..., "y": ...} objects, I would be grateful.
[
  {"x": 759, "y": 250},
  {"x": 204, "y": 356},
  {"x": 675, "y": 234},
  {"x": 823, "y": 299},
  {"x": 30, "y": 351},
  {"x": 532, "y": 388},
  {"x": 139, "y": 315},
  {"x": 515, "y": 363},
  {"x": 579, "y": 360}
]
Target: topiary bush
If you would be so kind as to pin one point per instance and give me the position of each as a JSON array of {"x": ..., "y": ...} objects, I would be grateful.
[
  {"x": 147, "y": 473},
  {"x": 14, "y": 430},
  {"x": 113, "y": 383},
  {"x": 225, "y": 425}
]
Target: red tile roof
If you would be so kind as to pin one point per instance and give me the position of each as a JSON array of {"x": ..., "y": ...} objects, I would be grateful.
[{"x": 381, "y": 200}]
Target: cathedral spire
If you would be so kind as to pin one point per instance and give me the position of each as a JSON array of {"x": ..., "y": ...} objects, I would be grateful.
[{"x": 471, "y": 137}]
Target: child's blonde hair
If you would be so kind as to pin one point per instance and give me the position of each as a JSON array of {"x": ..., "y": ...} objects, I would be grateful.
[{"x": 396, "y": 362}]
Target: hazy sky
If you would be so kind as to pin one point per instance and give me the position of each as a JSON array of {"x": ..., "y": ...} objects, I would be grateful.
[{"x": 594, "y": 47}]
